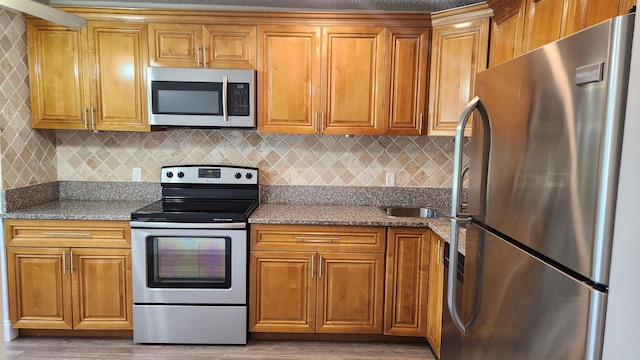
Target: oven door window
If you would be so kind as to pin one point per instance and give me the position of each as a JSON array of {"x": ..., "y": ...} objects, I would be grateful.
[
  {"x": 188, "y": 262},
  {"x": 186, "y": 98}
]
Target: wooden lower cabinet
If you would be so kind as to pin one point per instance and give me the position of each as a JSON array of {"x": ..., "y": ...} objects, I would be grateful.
[
  {"x": 53, "y": 285},
  {"x": 310, "y": 285},
  {"x": 434, "y": 297},
  {"x": 407, "y": 278}
]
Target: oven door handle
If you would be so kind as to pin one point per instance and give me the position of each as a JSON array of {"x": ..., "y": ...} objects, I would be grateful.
[{"x": 181, "y": 225}]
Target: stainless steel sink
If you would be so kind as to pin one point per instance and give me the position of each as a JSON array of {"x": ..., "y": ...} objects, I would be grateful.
[{"x": 423, "y": 212}]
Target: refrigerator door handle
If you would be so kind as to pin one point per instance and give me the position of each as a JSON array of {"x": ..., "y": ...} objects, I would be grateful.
[
  {"x": 456, "y": 197},
  {"x": 452, "y": 276}
]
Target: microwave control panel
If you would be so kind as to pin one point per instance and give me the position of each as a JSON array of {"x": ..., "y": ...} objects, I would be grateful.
[{"x": 238, "y": 99}]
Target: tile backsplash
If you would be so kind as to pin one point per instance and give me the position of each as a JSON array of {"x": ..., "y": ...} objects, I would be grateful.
[
  {"x": 30, "y": 157},
  {"x": 283, "y": 159}
]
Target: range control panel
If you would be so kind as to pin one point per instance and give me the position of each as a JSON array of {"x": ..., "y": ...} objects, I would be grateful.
[{"x": 209, "y": 174}]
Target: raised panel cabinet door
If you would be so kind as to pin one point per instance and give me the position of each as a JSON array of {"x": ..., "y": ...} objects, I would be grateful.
[
  {"x": 176, "y": 45},
  {"x": 288, "y": 78},
  {"x": 350, "y": 293},
  {"x": 407, "y": 277},
  {"x": 353, "y": 80},
  {"x": 57, "y": 75},
  {"x": 458, "y": 53},
  {"x": 39, "y": 285},
  {"x": 118, "y": 54},
  {"x": 230, "y": 46},
  {"x": 507, "y": 26},
  {"x": 544, "y": 22},
  {"x": 435, "y": 305},
  {"x": 282, "y": 292},
  {"x": 102, "y": 294},
  {"x": 408, "y": 66}
]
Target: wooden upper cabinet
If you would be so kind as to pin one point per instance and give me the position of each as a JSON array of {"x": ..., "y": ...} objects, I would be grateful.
[
  {"x": 584, "y": 13},
  {"x": 288, "y": 78},
  {"x": 507, "y": 26},
  {"x": 294, "y": 98},
  {"x": 408, "y": 66},
  {"x": 90, "y": 79},
  {"x": 544, "y": 22},
  {"x": 353, "y": 85},
  {"x": 214, "y": 46},
  {"x": 58, "y": 75},
  {"x": 458, "y": 53},
  {"x": 118, "y": 56}
]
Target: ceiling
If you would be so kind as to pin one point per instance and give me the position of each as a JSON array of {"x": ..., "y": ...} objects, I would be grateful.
[{"x": 324, "y": 5}]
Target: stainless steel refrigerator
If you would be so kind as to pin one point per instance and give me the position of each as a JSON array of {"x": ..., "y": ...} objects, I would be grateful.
[{"x": 545, "y": 155}]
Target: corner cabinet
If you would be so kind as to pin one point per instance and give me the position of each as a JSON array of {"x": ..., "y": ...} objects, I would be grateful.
[
  {"x": 69, "y": 274},
  {"x": 90, "y": 78},
  {"x": 316, "y": 279},
  {"x": 191, "y": 45},
  {"x": 407, "y": 280},
  {"x": 458, "y": 52},
  {"x": 315, "y": 79}
]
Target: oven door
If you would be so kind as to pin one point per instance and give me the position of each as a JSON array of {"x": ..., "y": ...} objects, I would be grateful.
[{"x": 178, "y": 263}]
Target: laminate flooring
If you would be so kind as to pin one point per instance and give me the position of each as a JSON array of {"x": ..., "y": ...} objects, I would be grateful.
[{"x": 29, "y": 348}]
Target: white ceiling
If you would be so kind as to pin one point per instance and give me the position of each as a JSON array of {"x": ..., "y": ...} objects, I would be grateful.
[{"x": 326, "y": 5}]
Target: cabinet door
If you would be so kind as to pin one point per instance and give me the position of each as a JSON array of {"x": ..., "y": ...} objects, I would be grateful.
[
  {"x": 101, "y": 282},
  {"x": 507, "y": 26},
  {"x": 458, "y": 53},
  {"x": 407, "y": 281},
  {"x": 288, "y": 79},
  {"x": 353, "y": 80},
  {"x": 350, "y": 293},
  {"x": 118, "y": 55},
  {"x": 39, "y": 288},
  {"x": 230, "y": 46},
  {"x": 176, "y": 45},
  {"x": 584, "y": 13},
  {"x": 57, "y": 75},
  {"x": 408, "y": 64},
  {"x": 434, "y": 297},
  {"x": 282, "y": 292},
  {"x": 544, "y": 22}
]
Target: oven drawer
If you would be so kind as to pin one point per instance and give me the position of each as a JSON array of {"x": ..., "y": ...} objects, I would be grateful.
[
  {"x": 304, "y": 237},
  {"x": 73, "y": 233}
]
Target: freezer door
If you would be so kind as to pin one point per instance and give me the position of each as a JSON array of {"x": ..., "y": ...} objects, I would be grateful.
[
  {"x": 556, "y": 118},
  {"x": 526, "y": 310}
]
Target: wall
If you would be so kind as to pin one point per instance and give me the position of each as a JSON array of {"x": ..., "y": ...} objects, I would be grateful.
[
  {"x": 622, "y": 329},
  {"x": 27, "y": 156},
  {"x": 283, "y": 159}
]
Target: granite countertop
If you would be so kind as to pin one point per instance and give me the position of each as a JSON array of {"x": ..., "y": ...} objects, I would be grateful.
[
  {"x": 294, "y": 214},
  {"x": 347, "y": 215},
  {"x": 78, "y": 210}
]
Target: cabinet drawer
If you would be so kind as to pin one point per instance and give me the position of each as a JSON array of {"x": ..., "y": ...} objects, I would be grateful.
[
  {"x": 304, "y": 237},
  {"x": 67, "y": 233}
]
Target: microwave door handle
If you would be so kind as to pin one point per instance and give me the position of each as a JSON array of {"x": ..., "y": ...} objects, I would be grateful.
[{"x": 225, "y": 114}]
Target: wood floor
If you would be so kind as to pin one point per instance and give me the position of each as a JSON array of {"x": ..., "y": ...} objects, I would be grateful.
[{"x": 29, "y": 348}]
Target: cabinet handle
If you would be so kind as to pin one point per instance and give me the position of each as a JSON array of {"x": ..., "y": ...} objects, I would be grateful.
[
  {"x": 317, "y": 239},
  {"x": 93, "y": 120},
  {"x": 64, "y": 262},
  {"x": 421, "y": 127},
  {"x": 66, "y": 234},
  {"x": 322, "y": 117},
  {"x": 84, "y": 117},
  {"x": 198, "y": 55},
  {"x": 320, "y": 267},
  {"x": 71, "y": 261},
  {"x": 313, "y": 265},
  {"x": 439, "y": 261},
  {"x": 204, "y": 56}
]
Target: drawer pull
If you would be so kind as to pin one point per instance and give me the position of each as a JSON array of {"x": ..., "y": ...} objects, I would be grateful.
[
  {"x": 66, "y": 234},
  {"x": 317, "y": 239}
]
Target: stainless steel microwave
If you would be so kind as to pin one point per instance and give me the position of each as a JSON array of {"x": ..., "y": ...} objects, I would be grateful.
[{"x": 201, "y": 98}]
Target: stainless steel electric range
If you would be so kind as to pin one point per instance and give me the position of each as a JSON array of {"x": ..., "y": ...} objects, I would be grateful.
[{"x": 190, "y": 253}]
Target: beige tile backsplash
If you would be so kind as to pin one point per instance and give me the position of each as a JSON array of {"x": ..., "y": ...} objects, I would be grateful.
[{"x": 38, "y": 156}]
